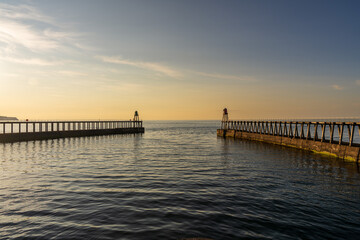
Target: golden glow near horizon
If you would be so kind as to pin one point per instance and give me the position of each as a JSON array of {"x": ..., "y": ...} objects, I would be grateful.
[{"x": 53, "y": 67}]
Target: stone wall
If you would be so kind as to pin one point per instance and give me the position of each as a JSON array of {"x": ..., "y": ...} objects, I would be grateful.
[
  {"x": 350, "y": 153},
  {"x": 31, "y": 136}
]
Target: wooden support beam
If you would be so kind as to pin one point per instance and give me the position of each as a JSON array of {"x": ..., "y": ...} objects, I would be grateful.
[
  {"x": 308, "y": 133},
  {"x": 296, "y": 132},
  {"x": 332, "y": 127},
  {"x": 274, "y": 128},
  {"x": 323, "y": 126},
  {"x": 341, "y": 131},
  {"x": 290, "y": 130},
  {"x": 351, "y": 135},
  {"x": 315, "y": 131}
]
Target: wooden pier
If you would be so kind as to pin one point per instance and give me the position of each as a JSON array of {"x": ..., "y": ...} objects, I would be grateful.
[
  {"x": 340, "y": 139},
  {"x": 16, "y": 131}
]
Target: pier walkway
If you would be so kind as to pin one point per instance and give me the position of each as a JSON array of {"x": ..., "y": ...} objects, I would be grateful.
[
  {"x": 340, "y": 139},
  {"x": 16, "y": 131}
]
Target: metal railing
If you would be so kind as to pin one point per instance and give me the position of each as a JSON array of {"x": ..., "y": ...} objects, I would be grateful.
[
  {"x": 54, "y": 126},
  {"x": 343, "y": 133}
]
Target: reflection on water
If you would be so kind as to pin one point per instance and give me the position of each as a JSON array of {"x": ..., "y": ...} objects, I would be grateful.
[
  {"x": 177, "y": 180},
  {"x": 330, "y": 172}
]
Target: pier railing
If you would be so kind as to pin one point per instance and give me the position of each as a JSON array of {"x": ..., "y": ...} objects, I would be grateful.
[
  {"x": 342, "y": 133},
  {"x": 57, "y": 126}
]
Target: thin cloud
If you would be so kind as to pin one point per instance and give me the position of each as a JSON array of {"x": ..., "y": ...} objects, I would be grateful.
[
  {"x": 20, "y": 34},
  {"x": 227, "y": 77},
  {"x": 73, "y": 74},
  {"x": 22, "y": 12},
  {"x": 10, "y": 75},
  {"x": 23, "y": 26},
  {"x": 127, "y": 87},
  {"x": 337, "y": 87},
  {"x": 155, "y": 67},
  {"x": 31, "y": 61}
]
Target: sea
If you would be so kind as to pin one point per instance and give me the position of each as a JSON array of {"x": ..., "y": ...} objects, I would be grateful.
[{"x": 178, "y": 180}]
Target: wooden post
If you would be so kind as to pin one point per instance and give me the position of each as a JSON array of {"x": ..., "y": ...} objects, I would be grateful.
[
  {"x": 296, "y": 132},
  {"x": 323, "y": 126},
  {"x": 341, "y": 131},
  {"x": 270, "y": 128},
  {"x": 280, "y": 132},
  {"x": 315, "y": 133},
  {"x": 332, "y": 127},
  {"x": 261, "y": 126},
  {"x": 351, "y": 135},
  {"x": 308, "y": 134},
  {"x": 275, "y": 129},
  {"x": 265, "y": 127}
]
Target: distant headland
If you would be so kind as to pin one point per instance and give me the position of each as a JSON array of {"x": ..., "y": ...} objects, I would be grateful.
[{"x": 2, "y": 118}]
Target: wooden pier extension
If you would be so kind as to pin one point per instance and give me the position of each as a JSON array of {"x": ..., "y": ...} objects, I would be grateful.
[
  {"x": 339, "y": 139},
  {"x": 17, "y": 131}
]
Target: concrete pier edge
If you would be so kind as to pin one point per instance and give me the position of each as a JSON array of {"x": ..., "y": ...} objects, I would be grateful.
[
  {"x": 348, "y": 153},
  {"x": 33, "y": 136}
]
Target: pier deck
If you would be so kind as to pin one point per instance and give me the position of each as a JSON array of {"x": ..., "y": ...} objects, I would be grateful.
[
  {"x": 16, "y": 131},
  {"x": 339, "y": 139}
]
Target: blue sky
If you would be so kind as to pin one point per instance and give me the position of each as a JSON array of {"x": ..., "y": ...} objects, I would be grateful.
[{"x": 179, "y": 59}]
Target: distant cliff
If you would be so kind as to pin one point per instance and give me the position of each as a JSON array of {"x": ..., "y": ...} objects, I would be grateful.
[{"x": 2, "y": 118}]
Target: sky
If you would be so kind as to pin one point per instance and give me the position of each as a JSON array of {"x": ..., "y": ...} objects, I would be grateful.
[{"x": 179, "y": 60}]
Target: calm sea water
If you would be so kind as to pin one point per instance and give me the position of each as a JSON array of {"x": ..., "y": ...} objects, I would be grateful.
[{"x": 178, "y": 180}]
